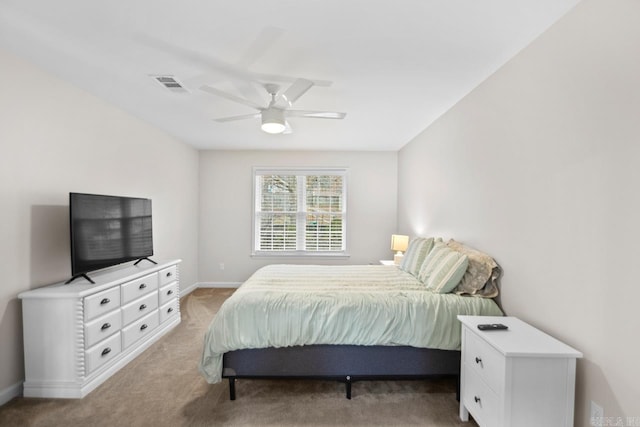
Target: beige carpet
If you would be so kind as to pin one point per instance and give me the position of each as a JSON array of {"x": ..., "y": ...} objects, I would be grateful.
[{"x": 162, "y": 387}]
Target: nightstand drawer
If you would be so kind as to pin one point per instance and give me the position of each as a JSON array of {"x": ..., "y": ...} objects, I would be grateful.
[
  {"x": 485, "y": 360},
  {"x": 139, "y": 287},
  {"x": 480, "y": 400}
]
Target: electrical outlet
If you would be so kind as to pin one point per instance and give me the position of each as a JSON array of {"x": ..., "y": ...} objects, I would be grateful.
[
  {"x": 222, "y": 266},
  {"x": 596, "y": 415}
]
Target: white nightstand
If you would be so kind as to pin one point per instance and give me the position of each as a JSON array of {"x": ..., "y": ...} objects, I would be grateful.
[
  {"x": 515, "y": 377},
  {"x": 387, "y": 262}
]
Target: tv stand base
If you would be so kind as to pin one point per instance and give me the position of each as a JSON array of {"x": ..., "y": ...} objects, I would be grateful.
[
  {"x": 143, "y": 258},
  {"x": 77, "y": 276}
]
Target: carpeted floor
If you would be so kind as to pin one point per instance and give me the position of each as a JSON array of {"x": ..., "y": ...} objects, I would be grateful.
[{"x": 162, "y": 387}]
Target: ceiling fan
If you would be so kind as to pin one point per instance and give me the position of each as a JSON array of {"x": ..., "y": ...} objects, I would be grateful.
[{"x": 274, "y": 115}]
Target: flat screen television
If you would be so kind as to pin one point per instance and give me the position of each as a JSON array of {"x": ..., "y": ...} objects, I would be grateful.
[{"x": 108, "y": 230}]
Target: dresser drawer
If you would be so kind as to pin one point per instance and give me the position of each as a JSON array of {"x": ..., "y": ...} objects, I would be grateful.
[
  {"x": 104, "y": 351},
  {"x": 168, "y": 275},
  {"x": 169, "y": 310},
  {"x": 101, "y": 303},
  {"x": 139, "y": 308},
  {"x": 168, "y": 292},
  {"x": 139, "y": 329},
  {"x": 481, "y": 401},
  {"x": 102, "y": 327},
  {"x": 486, "y": 361},
  {"x": 139, "y": 287}
]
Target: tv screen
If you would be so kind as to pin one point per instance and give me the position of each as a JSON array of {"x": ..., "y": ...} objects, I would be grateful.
[{"x": 108, "y": 230}]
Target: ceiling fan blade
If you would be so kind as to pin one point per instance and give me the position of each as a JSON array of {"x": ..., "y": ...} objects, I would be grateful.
[
  {"x": 243, "y": 86},
  {"x": 234, "y": 118},
  {"x": 316, "y": 114},
  {"x": 295, "y": 91},
  {"x": 209, "y": 62},
  {"x": 288, "y": 79},
  {"x": 230, "y": 97},
  {"x": 267, "y": 37}
]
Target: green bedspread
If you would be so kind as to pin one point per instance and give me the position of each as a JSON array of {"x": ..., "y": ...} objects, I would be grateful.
[{"x": 291, "y": 305}]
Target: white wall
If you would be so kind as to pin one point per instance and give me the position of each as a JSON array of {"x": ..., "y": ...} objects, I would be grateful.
[
  {"x": 540, "y": 167},
  {"x": 55, "y": 138},
  {"x": 226, "y": 207}
]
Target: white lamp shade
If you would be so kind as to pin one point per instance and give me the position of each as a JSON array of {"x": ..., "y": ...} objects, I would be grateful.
[{"x": 399, "y": 242}]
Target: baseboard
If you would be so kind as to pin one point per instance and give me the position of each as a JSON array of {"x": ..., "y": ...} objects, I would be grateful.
[
  {"x": 218, "y": 284},
  {"x": 187, "y": 290},
  {"x": 10, "y": 392}
]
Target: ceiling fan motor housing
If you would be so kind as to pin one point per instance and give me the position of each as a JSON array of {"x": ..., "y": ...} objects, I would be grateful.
[{"x": 273, "y": 120}]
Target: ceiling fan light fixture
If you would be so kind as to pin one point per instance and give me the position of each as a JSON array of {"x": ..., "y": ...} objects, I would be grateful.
[{"x": 273, "y": 120}]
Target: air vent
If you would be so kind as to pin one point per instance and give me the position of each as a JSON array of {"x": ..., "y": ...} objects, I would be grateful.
[{"x": 170, "y": 83}]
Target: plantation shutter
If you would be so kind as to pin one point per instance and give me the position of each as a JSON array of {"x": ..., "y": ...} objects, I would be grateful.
[
  {"x": 277, "y": 213},
  {"x": 325, "y": 215}
]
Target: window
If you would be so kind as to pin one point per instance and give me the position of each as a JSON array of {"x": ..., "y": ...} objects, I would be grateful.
[{"x": 299, "y": 212}]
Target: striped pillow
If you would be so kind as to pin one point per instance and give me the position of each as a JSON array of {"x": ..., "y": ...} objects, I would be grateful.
[
  {"x": 443, "y": 269},
  {"x": 416, "y": 252}
]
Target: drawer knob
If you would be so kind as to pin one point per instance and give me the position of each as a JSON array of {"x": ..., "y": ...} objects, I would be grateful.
[
  {"x": 477, "y": 399},
  {"x": 143, "y": 327},
  {"x": 106, "y": 326},
  {"x": 142, "y": 286},
  {"x": 170, "y": 310},
  {"x": 106, "y": 351},
  {"x": 143, "y": 306},
  {"x": 105, "y": 301},
  {"x": 478, "y": 360},
  {"x": 169, "y": 292},
  {"x": 169, "y": 274}
]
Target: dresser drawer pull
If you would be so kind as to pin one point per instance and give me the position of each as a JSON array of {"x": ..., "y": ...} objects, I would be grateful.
[
  {"x": 170, "y": 310},
  {"x": 106, "y": 326},
  {"x": 169, "y": 292},
  {"x": 105, "y": 301},
  {"x": 143, "y": 306},
  {"x": 477, "y": 399},
  {"x": 478, "y": 360},
  {"x": 169, "y": 274},
  {"x": 142, "y": 286},
  {"x": 143, "y": 327},
  {"x": 106, "y": 351}
]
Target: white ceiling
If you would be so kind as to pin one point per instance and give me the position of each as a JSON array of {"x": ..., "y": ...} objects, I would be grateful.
[{"x": 395, "y": 66}]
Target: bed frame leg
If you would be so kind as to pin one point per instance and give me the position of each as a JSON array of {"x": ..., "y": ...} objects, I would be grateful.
[
  {"x": 232, "y": 388},
  {"x": 348, "y": 386}
]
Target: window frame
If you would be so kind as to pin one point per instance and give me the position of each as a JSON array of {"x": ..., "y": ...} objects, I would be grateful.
[{"x": 301, "y": 212}]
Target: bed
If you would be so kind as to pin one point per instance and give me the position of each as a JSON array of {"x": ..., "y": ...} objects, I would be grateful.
[{"x": 288, "y": 321}]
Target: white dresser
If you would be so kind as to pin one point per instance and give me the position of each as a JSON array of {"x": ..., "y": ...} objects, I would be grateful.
[
  {"x": 515, "y": 377},
  {"x": 77, "y": 335}
]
